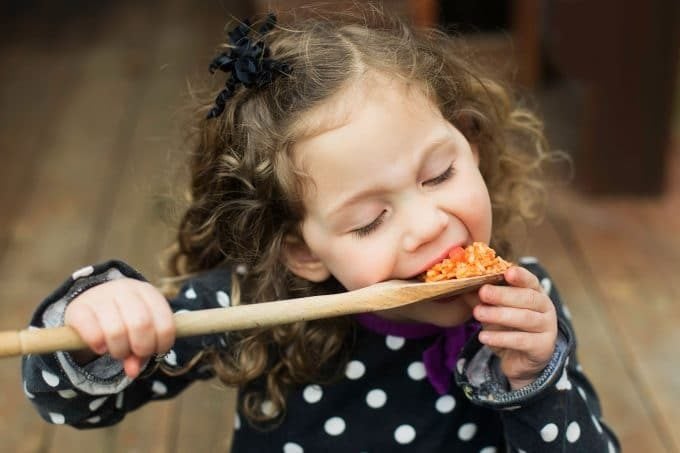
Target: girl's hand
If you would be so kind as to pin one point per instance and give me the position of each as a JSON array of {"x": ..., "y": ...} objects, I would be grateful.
[
  {"x": 519, "y": 325},
  {"x": 127, "y": 318}
]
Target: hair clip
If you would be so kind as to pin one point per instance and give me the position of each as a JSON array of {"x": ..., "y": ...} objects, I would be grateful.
[{"x": 247, "y": 62}]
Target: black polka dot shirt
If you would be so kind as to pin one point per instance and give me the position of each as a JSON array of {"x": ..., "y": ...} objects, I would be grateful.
[{"x": 383, "y": 403}]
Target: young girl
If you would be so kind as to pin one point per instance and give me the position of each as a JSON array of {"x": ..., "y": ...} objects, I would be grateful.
[{"x": 341, "y": 153}]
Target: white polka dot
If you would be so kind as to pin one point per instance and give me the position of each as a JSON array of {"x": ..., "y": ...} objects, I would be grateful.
[
  {"x": 549, "y": 432},
  {"x": 182, "y": 311},
  {"x": 292, "y": 447},
  {"x": 334, "y": 426},
  {"x": 394, "y": 343},
  {"x": 312, "y": 393},
  {"x": 460, "y": 364},
  {"x": 376, "y": 398},
  {"x": 546, "y": 285},
  {"x": 564, "y": 383},
  {"x": 582, "y": 393},
  {"x": 223, "y": 299},
  {"x": 404, "y": 434},
  {"x": 519, "y": 450},
  {"x": 567, "y": 313},
  {"x": 488, "y": 450},
  {"x": 158, "y": 388},
  {"x": 34, "y": 328},
  {"x": 445, "y": 404},
  {"x": 267, "y": 407},
  {"x": 96, "y": 404},
  {"x": 597, "y": 424},
  {"x": 237, "y": 421},
  {"x": 95, "y": 419},
  {"x": 528, "y": 260},
  {"x": 241, "y": 269},
  {"x": 355, "y": 369},
  {"x": 611, "y": 448},
  {"x": 27, "y": 393},
  {"x": 416, "y": 371},
  {"x": 51, "y": 379},
  {"x": 67, "y": 394},
  {"x": 190, "y": 293},
  {"x": 467, "y": 431},
  {"x": 170, "y": 358},
  {"x": 119, "y": 401},
  {"x": 84, "y": 272},
  {"x": 113, "y": 274},
  {"x": 57, "y": 419},
  {"x": 573, "y": 432}
]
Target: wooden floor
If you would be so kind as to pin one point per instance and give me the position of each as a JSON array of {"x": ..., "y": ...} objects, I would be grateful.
[{"x": 89, "y": 108}]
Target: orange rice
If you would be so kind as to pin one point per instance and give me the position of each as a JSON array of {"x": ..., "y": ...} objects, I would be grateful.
[{"x": 476, "y": 259}]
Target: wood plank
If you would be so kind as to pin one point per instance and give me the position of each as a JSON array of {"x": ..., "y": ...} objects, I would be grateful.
[
  {"x": 27, "y": 125},
  {"x": 134, "y": 224},
  {"x": 633, "y": 283},
  {"x": 52, "y": 233},
  {"x": 132, "y": 64}
]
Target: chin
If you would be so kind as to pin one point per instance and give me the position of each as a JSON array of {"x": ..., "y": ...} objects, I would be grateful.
[{"x": 445, "y": 315}]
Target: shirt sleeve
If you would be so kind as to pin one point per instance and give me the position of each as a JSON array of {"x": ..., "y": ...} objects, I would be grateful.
[
  {"x": 559, "y": 411},
  {"x": 99, "y": 393}
]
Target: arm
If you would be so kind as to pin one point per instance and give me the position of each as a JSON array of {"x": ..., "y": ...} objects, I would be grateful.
[
  {"x": 64, "y": 389},
  {"x": 556, "y": 411}
]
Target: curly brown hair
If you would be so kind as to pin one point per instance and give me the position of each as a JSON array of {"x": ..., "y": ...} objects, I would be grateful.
[{"x": 245, "y": 194}]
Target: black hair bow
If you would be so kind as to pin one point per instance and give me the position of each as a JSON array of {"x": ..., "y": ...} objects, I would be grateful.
[{"x": 247, "y": 61}]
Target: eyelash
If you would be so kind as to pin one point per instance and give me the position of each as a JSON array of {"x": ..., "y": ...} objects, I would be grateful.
[
  {"x": 441, "y": 178},
  {"x": 368, "y": 229}
]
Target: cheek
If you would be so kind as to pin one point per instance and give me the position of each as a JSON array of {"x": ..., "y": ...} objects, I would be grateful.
[
  {"x": 356, "y": 264},
  {"x": 478, "y": 210}
]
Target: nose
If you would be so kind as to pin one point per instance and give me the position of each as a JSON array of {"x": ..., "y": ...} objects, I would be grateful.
[{"x": 424, "y": 221}]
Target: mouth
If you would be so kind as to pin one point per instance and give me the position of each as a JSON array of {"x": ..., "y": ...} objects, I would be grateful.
[{"x": 444, "y": 254}]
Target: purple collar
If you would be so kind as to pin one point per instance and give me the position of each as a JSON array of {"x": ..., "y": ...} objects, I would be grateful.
[{"x": 440, "y": 358}]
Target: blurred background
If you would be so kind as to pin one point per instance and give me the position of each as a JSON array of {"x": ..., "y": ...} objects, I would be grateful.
[{"x": 91, "y": 146}]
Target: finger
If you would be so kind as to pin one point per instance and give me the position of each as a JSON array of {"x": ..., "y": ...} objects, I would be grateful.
[
  {"x": 504, "y": 339},
  {"x": 521, "y": 278},
  {"x": 140, "y": 327},
  {"x": 132, "y": 366},
  {"x": 513, "y": 318},
  {"x": 114, "y": 329},
  {"x": 510, "y": 296},
  {"x": 85, "y": 322},
  {"x": 162, "y": 319}
]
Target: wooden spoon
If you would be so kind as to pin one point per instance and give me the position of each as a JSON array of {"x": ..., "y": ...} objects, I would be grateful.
[{"x": 381, "y": 296}]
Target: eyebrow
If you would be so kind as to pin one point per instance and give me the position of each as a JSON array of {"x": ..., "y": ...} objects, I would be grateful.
[{"x": 428, "y": 149}]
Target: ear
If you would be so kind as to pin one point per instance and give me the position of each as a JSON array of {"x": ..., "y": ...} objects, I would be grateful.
[{"x": 301, "y": 261}]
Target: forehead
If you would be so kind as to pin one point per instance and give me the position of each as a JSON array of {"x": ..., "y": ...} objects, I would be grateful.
[
  {"x": 339, "y": 109},
  {"x": 363, "y": 133}
]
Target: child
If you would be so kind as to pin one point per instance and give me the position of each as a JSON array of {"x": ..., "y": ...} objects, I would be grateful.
[{"x": 341, "y": 153}]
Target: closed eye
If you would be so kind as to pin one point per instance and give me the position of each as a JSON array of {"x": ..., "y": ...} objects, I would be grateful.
[
  {"x": 441, "y": 178},
  {"x": 368, "y": 229}
]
